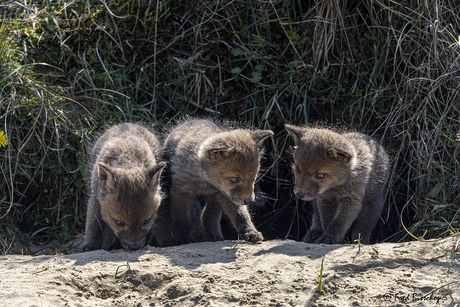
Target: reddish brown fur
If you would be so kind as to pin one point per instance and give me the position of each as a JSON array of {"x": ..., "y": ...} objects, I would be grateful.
[
  {"x": 321, "y": 151},
  {"x": 241, "y": 162},
  {"x": 124, "y": 188},
  {"x": 345, "y": 176},
  {"x": 117, "y": 204},
  {"x": 204, "y": 157}
]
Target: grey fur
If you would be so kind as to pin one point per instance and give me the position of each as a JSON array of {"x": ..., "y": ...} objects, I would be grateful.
[
  {"x": 124, "y": 186},
  {"x": 352, "y": 193},
  {"x": 203, "y": 156}
]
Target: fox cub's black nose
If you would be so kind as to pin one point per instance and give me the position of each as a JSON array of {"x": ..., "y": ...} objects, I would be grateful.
[
  {"x": 300, "y": 194},
  {"x": 135, "y": 247},
  {"x": 248, "y": 200}
]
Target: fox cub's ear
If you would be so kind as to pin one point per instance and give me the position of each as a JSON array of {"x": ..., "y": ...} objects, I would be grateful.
[
  {"x": 106, "y": 175},
  {"x": 153, "y": 175},
  {"x": 260, "y": 135},
  {"x": 219, "y": 150},
  {"x": 295, "y": 132},
  {"x": 340, "y": 154}
]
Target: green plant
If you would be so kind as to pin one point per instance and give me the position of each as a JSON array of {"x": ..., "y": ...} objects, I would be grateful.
[{"x": 320, "y": 282}]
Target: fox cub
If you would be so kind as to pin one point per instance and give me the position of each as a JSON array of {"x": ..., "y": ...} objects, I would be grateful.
[
  {"x": 211, "y": 165},
  {"x": 124, "y": 188},
  {"x": 344, "y": 174}
]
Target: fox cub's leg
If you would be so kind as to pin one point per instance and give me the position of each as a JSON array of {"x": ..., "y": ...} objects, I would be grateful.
[
  {"x": 181, "y": 207},
  {"x": 162, "y": 228},
  {"x": 316, "y": 230},
  {"x": 197, "y": 225},
  {"x": 239, "y": 215},
  {"x": 94, "y": 226},
  {"x": 211, "y": 219},
  {"x": 337, "y": 228},
  {"x": 368, "y": 218},
  {"x": 178, "y": 219}
]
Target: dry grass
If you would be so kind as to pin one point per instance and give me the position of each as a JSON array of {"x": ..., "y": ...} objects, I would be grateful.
[{"x": 385, "y": 68}]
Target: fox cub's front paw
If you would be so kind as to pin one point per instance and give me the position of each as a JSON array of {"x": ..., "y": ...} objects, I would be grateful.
[
  {"x": 252, "y": 236},
  {"x": 312, "y": 236},
  {"x": 326, "y": 239},
  {"x": 89, "y": 247}
]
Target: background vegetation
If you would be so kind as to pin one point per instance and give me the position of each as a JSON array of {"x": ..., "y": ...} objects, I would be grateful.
[{"x": 69, "y": 69}]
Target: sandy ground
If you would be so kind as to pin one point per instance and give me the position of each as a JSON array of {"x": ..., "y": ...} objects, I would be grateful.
[{"x": 230, "y": 273}]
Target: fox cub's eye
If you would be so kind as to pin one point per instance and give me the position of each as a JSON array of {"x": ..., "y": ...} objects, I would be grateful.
[
  {"x": 147, "y": 221},
  {"x": 234, "y": 179},
  {"x": 320, "y": 175},
  {"x": 120, "y": 223},
  {"x": 297, "y": 169}
]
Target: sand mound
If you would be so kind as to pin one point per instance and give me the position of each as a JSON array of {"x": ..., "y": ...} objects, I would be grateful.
[{"x": 272, "y": 273}]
